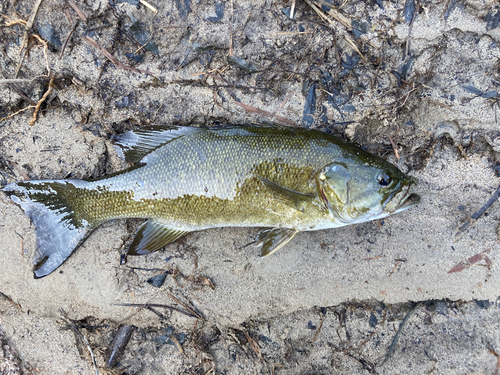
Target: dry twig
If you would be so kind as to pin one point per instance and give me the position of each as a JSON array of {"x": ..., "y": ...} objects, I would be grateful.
[
  {"x": 473, "y": 260},
  {"x": 38, "y": 105},
  {"x": 392, "y": 348},
  {"x": 77, "y": 332},
  {"x": 113, "y": 59},
  {"x": 149, "y": 6},
  {"x": 80, "y": 14},
  {"x": 28, "y": 26}
]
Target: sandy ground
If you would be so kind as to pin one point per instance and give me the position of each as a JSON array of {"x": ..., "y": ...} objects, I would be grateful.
[{"x": 423, "y": 95}]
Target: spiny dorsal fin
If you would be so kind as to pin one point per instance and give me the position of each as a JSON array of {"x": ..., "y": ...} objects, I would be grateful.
[
  {"x": 274, "y": 239},
  {"x": 134, "y": 145},
  {"x": 291, "y": 197},
  {"x": 152, "y": 236}
]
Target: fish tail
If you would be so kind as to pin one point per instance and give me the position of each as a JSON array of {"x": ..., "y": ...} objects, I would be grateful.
[{"x": 60, "y": 229}]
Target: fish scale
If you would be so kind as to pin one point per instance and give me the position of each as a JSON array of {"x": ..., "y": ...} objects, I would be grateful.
[{"x": 197, "y": 193}]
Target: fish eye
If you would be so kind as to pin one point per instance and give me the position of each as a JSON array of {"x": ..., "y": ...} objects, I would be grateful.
[{"x": 384, "y": 179}]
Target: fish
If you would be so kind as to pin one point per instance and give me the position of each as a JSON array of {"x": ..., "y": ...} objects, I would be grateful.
[{"x": 284, "y": 180}]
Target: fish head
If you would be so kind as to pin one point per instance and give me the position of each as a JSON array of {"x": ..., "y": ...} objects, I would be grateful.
[{"x": 364, "y": 187}]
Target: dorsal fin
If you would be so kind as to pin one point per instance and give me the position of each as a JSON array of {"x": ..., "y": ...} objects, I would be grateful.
[{"x": 134, "y": 145}]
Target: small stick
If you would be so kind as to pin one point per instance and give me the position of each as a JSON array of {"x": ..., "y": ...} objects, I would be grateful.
[
  {"x": 177, "y": 343},
  {"x": 111, "y": 58},
  {"x": 15, "y": 80},
  {"x": 67, "y": 40},
  {"x": 15, "y": 113},
  {"x": 253, "y": 344},
  {"x": 150, "y": 305},
  {"x": 189, "y": 308},
  {"x": 471, "y": 261},
  {"x": 10, "y": 300},
  {"x": 319, "y": 328},
  {"x": 392, "y": 348},
  {"x": 75, "y": 329},
  {"x": 22, "y": 242},
  {"x": 263, "y": 112},
  {"x": 31, "y": 19},
  {"x": 13, "y": 22},
  {"x": 80, "y": 14},
  {"x": 394, "y": 147},
  {"x": 39, "y": 104},
  {"x": 28, "y": 26},
  {"x": 147, "y": 5},
  {"x": 45, "y": 50},
  {"x": 476, "y": 215},
  {"x": 230, "y": 29},
  {"x": 498, "y": 360}
]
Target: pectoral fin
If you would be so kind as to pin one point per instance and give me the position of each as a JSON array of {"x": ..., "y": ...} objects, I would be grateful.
[
  {"x": 293, "y": 198},
  {"x": 274, "y": 239},
  {"x": 152, "y": 236}
]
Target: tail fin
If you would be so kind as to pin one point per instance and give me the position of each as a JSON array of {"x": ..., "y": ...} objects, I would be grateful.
[{"x": 59, "y": 231}]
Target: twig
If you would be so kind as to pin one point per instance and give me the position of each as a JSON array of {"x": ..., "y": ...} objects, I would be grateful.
[
  {"x": 319, "y": 328},
  {"x": 15, "y": 80},
  {"x": 10, "y": 300},
  {"x": 45, "y": 50},
  {"x": 67, "y": 40},
  {"x": 151, "y": 305},
  {"x": 498, "y": 360},
  {"x": 113, "y": 59},
  {"x": 392, "y": 348},
  {"x": 80, "y": 14},
  {"x": 353, "y": 46},
  {"x": 31, "y": 19},
  {"x": 409, "y": 34},
  {"x": 263, "y": 112},
  {"x": 28, "y": 26},
  {"x": 339, "y": 17},
  {"x": 394, "y": 147},
  {"x": 16, "y": 113},
  {"x": 39, "y": 104},
  {"x": 177, "y": 343},
  {"x": 75, "y": 329},
  {"x": 230, "y": 28},
  {"x": 471, "y": 261},
  {"x": 189, "y": 308},
  {"x": 22, "y": 243},
  {"x": 147, "y": 5},
  {"x": 476, "y": 215},
  {"x": 253, "y": 344},
  {"x": 13, "y": 22}
]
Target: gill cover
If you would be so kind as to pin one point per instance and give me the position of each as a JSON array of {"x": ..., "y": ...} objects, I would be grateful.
[{"x": 334, "y": 182}]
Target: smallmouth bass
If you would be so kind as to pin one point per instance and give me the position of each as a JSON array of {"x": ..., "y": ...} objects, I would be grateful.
[{"x": 186, "y": 179}]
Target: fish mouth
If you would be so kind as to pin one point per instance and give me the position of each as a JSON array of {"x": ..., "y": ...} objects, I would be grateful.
[
  {"x": 404, "y": 199},
  {"x": 408, "y": 199}
]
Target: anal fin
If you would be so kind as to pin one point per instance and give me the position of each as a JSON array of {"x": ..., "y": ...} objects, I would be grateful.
[
  {"x": 274, "y": 239},
  {"x": 152, "y": 236}
]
